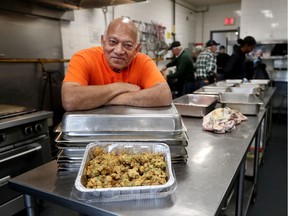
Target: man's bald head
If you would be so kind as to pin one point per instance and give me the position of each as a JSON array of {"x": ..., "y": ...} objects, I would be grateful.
[
  {"x": 120, "y": 43},
  {"x": 123, "y": 24}
]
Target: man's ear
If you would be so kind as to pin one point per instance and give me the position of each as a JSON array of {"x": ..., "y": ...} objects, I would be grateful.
[
  {"x": 138, "y": 47},
  {"x": 102, "y": 40}
]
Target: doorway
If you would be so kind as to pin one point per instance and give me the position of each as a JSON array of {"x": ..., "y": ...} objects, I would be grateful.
[{"x": 227, "y": 38}]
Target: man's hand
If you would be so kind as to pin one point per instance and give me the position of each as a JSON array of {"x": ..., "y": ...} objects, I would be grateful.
[{"x": 163, "y": 70}]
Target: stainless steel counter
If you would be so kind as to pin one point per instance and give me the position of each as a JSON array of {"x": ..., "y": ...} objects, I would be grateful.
[{"x": 215, "y": 162}]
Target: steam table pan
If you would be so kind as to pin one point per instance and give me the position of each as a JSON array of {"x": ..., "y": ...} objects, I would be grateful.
[
  {"x": 264, "y": 83},
  {"x": 234, "y": 81},
  {"x": 212, "y": 90},
  {"x": 195, "y": 105},
  {"x": 246, "y": 104},
  {"x": 124, "y": 193},
  {"x": 177, "y": 138},
  {"x": 222, "y": 84},
  {"x": 122, "y": 119},
  {"x": 245, "y": 90}
]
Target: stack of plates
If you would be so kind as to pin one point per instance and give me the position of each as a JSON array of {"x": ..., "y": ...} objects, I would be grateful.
[{"x": 121, "y": 124}]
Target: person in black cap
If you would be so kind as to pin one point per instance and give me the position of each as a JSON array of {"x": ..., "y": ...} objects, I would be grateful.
[
  {"x": 206, "y": 65},
  {"x": 182, "y": 80}
]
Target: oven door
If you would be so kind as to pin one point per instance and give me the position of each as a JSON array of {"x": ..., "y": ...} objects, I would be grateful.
[{"x": 12, "y": 163}]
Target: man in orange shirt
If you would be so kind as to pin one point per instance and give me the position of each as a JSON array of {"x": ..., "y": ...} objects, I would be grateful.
[{"x": 116, "y": 73}]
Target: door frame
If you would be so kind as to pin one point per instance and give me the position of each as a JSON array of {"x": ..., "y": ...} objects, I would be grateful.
[{"x": 225, "y": 31}]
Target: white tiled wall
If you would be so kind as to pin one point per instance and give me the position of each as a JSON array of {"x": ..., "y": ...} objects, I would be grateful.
[
  {"x": 264, "y": 19},
  {"x": 191, "y": 27},
  {"x": 82, "y": 33},
  {"x": 88, "y": 26},
  {"x": 213, "y": 19}
]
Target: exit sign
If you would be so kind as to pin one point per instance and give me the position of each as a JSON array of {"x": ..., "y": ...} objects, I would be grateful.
[{"x": 229, "y": 21}]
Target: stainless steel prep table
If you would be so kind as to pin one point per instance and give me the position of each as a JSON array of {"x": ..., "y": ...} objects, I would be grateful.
[{"x": 215, "y": 163}]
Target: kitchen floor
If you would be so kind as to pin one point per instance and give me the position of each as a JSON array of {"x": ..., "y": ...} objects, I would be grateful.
[{"x": 272, "y": 180}]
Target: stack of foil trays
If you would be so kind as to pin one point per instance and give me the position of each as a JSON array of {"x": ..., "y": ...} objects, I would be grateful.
[{"x": 119, "y": 124}]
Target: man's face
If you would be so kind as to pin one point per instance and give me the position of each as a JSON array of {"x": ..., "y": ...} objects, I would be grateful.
[
  {"x": 213, "y": 48},
  {"x": 120, "y": 46}
]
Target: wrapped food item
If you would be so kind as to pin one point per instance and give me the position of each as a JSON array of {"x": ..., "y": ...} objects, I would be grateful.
[{"x": 222, "y": 120}]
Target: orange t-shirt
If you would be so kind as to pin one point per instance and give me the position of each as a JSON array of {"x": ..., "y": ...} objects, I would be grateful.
[{"x": 90, "y": 67}]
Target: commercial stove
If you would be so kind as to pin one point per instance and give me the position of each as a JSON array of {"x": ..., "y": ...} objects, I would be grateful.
[{"x": 24, "y": 144}]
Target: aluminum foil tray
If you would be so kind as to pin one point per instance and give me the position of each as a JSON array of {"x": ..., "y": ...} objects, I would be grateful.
[
  {"x": 195, "y": 105},
  {"x": 124, "y": 193},
  {"x": 211, "y": 90},
  {"x": 110, "y": 119},
  {"x": 246, "y": 104}
]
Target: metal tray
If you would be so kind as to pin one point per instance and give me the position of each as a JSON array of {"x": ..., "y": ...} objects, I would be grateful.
[
  {"x": 167, "y": 138},
  {"x": 62, "y": 156},
  {"x": 124, "y": 193},
  {"x": 235, "y": 81},
  {"x": 260, "y": 81},
  {"x": 195, "y": 105},
  {"x": 211, "y": 90},
  {"x": 250, "y": 85},
  {"x": 246, "y": 104},
  {"x": 83, "y": 145},
  {"x": 245, "y": 90},
  {"x": 178, "y": 152},
  {"x": 122, "y": 119},
  {"x": 76, "y": 151},
  {"x": 264, "y": 83},
  {"x": 223, "y": 84}
]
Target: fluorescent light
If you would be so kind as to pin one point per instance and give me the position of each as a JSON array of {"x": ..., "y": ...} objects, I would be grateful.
[{"x": 267, "y": 13}]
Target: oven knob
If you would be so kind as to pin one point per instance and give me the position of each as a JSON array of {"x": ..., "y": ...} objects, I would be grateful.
[
  {"x": 38, "y": 127},
  {"x": 28, "y": 130},
  {"x": 2, "y": 137}
]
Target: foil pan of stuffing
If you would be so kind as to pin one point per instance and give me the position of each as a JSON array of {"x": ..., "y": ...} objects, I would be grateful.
[{"x": 130, "y": 188}]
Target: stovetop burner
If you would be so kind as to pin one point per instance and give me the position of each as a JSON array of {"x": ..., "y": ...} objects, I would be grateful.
[{"x": 7, "y": 111}]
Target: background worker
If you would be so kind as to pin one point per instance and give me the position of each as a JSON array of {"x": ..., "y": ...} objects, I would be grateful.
[
  {"x": 222, "y": 59},
  {"x": 237, "y": 67},
  {"x": 206, "y": 66},
  {"x": 182, "y": 80}
]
